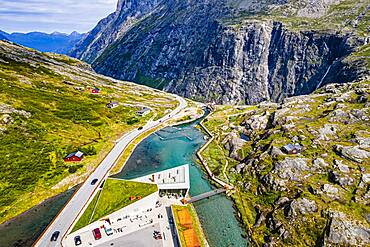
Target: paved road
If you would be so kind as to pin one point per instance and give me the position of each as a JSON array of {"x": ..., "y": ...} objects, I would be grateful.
[{"x": 79, "y": 201}]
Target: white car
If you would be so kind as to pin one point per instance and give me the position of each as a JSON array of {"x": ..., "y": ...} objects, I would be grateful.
[{"x": 107, "y": 228}]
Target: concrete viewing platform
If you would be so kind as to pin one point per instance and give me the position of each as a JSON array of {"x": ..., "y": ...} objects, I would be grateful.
[{"x": 140, "y": 221}]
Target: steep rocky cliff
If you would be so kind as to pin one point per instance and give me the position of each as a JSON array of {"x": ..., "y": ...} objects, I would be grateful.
[
  {"x": 112, "y": 27},
  {"x": 229, "y": 51}
]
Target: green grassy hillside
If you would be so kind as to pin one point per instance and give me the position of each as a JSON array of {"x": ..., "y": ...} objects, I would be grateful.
[{"x": 48, "y": 111}]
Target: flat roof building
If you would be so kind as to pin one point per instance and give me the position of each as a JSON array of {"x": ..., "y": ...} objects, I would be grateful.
[
  {"x": 175, "y": 180},
  {"x": 292, "y": 148},
  {"x": 143, "y": 112},
  {"x": 112, "y": 105}
]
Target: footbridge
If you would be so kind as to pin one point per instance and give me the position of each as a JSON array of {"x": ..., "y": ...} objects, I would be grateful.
[{"x": 205, "y": 195}]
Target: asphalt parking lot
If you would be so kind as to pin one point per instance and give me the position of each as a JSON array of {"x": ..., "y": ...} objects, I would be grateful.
[{"x": 142, "y": 238}]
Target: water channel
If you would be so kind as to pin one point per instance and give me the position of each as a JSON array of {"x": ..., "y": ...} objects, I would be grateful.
[{"x": 175, "y": 146}]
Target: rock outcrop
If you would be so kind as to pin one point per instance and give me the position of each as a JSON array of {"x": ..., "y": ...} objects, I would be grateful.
[{"x": 341, "y": 231}]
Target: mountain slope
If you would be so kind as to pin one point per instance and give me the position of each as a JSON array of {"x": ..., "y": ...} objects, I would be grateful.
[
  {"x": 54, "y": 42},
  {"x": 47, "y": 110},
  {"x": 232, "y": 51}
]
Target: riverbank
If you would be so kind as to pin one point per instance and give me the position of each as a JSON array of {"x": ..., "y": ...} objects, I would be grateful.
[{"x": 204, "y": 162}]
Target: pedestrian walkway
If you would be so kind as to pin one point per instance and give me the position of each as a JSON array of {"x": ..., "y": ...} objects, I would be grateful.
[{"x": 205, "y": 195}]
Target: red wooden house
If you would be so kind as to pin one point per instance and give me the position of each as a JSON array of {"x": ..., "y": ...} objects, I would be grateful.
[
  {"x": 74, "y": 157},
  {"x": 95, "y": 90}
]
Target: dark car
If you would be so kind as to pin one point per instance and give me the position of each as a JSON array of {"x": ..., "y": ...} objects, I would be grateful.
[
  {"x": 140, "y": 128},
  {"x": 78, "y": 240},
  {"x": 97, "y": 233},
  {"x": 55, "y": 236},
  {"x": 94, "y": 181}
]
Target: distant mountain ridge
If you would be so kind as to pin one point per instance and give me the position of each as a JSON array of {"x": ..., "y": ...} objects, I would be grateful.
[{"x": 54, "y": 42}]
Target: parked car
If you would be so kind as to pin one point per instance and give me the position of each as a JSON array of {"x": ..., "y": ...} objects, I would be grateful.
[
  {"x": 78, "y": 240},
  {"x": 93, "y": 182},
  {"x": 140, "y": 128},
  {"x": 97, "y": 233},
  {"x": 108, "y": 229},
  {"x": 55, "y": 236}
]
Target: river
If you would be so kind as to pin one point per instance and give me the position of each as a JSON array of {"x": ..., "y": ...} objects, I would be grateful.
[{"x": 175, "y": 146}]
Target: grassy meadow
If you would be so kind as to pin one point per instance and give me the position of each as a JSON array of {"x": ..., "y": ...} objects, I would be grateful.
[{"x": 47, "y": 110}]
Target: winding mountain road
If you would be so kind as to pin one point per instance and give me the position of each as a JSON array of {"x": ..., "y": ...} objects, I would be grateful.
[{"x": 64, "y": 221}]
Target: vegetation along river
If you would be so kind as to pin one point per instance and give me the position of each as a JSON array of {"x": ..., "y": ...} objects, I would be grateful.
[{"x": 175, "y": 146}]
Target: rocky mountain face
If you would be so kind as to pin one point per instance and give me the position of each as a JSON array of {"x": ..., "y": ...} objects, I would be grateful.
[
  {"x": 111, "y": 28},
  {"x": 229, "y": 51},
  {"x": 318, "y": 196}
]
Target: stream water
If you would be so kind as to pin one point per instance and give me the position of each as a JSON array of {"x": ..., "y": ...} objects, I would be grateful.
[{"x": 175, "y": 146}]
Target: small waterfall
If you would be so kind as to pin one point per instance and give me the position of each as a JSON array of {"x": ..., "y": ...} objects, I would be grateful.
[{"x": 326, "y": 73}]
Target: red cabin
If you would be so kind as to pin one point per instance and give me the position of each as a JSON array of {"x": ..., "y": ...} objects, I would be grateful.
[
  {"x": 74, "y": 157},
  {"x": 95, "y": 91}
]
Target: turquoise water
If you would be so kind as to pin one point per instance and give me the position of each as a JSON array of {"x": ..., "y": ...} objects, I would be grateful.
[{"x": 175, "y": 146}]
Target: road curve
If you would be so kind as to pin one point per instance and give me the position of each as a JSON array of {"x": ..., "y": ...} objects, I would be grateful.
[{"x": 64, "y": 220}]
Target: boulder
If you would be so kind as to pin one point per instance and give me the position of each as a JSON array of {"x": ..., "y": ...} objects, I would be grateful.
[
  {"x": 6, "y": 119},
  {"x": 320, "y": 163},
  {"x": 274, "y": 183},
  {"x": 276, "y": 152},
  {"x": 362, "y": 140},
  {"x": 366, "y": 178},
  {"x": 278, "y": 116},
  {"x": 340, "y": 166},
  {"x": 260, "y": 217},
  {"x": 291, "y": 168},
  {"x": 240, "y": 167},
  {"x": 344, "y": 232},
  {"x": 335, "y": 177},
  {"x": 233, "y": 143},
  {"x": 353, "y": 153},
  {"x": 360, "y": 114},
  {"x": 257, "y": 122},
  {"x": 282, "y": 201},
  {"x": 7, "y": 109},
  {"x": 330, "y": 190},
  {"x": 327, "y": 132},
  {"x": 339, "y": 115},
  {"x": 302, "y": 206}
]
